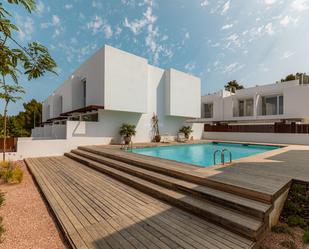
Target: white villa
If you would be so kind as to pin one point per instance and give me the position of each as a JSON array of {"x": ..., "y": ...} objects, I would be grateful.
[{"x": 111, "y": 88}]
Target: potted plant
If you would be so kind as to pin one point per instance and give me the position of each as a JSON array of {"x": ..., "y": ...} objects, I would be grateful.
[
  {"x": 187, "y": 130},
  {"x": 155, "y": 128},
  {"x": 127, "y": 131}
]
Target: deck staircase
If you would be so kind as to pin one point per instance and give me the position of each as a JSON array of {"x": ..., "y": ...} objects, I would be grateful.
[{"x": 238, "y": 211}]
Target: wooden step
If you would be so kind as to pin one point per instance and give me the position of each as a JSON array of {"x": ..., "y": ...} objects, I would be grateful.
[
  {"x": 233, "y": 221},
  {"x": 246, "y": 189},
  {"x": 250, "y": 207}
]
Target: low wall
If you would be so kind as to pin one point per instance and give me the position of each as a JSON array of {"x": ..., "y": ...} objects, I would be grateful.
[
  {"x": 276, "y": 138},
  {"x": 52, "y": 147}
]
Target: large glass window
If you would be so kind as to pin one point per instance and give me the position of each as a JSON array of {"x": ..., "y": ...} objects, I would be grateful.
[
  {"x": 249, "y": 107},
  {"x": 272, "y": 105},
  {"x": 208, "y": 110},
  {"x": 245, "y": 107}
]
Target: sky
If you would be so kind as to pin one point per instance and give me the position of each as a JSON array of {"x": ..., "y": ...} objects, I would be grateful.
[{"x": 252, "y": 41}]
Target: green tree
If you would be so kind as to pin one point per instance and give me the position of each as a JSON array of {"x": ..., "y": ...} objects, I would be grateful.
[
  {"x": 291, "y": 77},
  {"x": 232, "y": 86},
  {"x": 32, "y": 60}
]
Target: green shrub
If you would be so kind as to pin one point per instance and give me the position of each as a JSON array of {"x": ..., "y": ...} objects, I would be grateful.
[
  {"x": 1, "y": 198},
  {"x": 295, "y": 220},
  {"x": 2, "y": 229},
  {"x": 281, "y": 229},
  {"x": 288, "y": 244},
  {"x": 11, "y": 172},
  {"x": 306, "y": 237}
]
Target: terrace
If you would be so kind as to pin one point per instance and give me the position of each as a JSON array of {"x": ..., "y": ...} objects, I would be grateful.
[{"x": 104, "y": 197}]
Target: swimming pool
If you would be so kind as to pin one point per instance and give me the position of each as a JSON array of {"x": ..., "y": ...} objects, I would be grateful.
[{"x": 202, "y": 154}]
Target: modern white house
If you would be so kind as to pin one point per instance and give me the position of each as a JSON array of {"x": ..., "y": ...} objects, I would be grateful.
[
  {"x": 111, "y": 88},
  {"x": 259, "y": 113}
]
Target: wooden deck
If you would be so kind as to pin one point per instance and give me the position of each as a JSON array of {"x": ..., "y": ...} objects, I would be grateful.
[{"x": 96, "y": 211}]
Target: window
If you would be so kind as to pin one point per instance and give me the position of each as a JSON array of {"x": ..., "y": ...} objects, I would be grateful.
[
  {"x": 249, "y": 107},
  {"x": 241, "y": 108},
  {"x": 93, "y": 117},
  {"x": 245, "y": 107},
  {"x": 272, "y": 105},
  {"x": 208, "y": 110}
]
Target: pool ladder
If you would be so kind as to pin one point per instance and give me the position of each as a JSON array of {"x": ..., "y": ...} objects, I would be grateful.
[
  {"x": 222, "y": 156},
  {"x": 127, "y": 146}
]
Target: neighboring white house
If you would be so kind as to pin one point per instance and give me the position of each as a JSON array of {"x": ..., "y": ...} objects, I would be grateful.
[
  {"x": 283, "y": 104},
  {"x": 111, "y": 88},
  {"x": 277, "y": 102}
]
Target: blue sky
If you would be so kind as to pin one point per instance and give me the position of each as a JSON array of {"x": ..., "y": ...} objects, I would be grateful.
[{"x": 252, "y": 41}]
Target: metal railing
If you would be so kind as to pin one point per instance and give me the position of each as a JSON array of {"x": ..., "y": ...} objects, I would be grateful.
[{"x": 222, "y": 153}]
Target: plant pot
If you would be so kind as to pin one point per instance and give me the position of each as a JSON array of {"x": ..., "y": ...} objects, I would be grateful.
[
  {"x": 157, "y": 138},
  {"x": 127, "y": 140},
  {"x": 187, "y": 136}
]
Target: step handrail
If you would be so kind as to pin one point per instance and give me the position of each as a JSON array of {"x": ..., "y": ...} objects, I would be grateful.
[
  {"x": 223, "y": 155},
  {"x": 214, "y": 156}
]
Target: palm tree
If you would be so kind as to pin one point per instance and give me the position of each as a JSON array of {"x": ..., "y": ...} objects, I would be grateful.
[{"x": 233, "y": 85}]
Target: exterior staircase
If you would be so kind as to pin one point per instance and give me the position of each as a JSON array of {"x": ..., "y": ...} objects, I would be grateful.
[{"x": 235, "y": 212}]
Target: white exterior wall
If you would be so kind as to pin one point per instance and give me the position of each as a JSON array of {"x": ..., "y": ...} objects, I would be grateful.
[
  {"x": 295, "y": 101},
  {"x": 125, "y": 81},
  {"x": 181, "y": 92},
  {"x": 273, "y": 138}
]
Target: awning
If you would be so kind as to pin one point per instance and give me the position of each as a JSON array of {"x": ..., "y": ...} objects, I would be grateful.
[{"x": 83, "y": 110}]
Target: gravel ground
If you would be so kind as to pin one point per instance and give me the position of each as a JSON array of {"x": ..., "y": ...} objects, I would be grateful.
[
  {"x": 273, "y": 240},
  {"x": 27, "y": 221}
]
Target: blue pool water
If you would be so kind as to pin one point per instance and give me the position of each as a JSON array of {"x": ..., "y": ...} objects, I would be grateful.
[{"x": 202, "y": 154}]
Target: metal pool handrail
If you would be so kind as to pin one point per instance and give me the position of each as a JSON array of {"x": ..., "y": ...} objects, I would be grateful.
[{"x": 222, "y": 156}]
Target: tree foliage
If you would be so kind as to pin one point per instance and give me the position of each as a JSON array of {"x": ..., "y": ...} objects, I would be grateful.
[
  {"x": 233, "y": 85},
  {"x": 291, "y": 77},
  {"x": 32, "y": 60},
  {"x": 20, "y": 125}
]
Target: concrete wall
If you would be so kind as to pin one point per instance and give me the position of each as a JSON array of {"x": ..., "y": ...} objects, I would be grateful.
[
  {"x": 181, "y": 94},
  {"x": 125, "y": 81},
  {"x": 276, "y": 138}
]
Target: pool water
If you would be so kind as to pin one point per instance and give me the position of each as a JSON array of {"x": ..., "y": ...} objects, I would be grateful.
[{"x": 203, "y": 154}]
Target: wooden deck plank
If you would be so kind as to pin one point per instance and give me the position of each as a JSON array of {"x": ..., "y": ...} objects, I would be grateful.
[{"x": 145, "y": 222}]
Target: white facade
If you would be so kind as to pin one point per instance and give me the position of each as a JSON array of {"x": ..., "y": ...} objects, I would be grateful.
[
  {"x": 280, "y": 101},
  {"x": 123, "y": 88}
]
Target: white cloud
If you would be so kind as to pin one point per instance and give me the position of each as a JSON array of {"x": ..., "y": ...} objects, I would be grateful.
[
  {"x": 231, "y": 68},
  {"x": 108, "y": 31},
  {"x": 187, "y": 35},
  {"x": 204, "y": 3},
  {"x": 68, "y": 6},
  {"x": 26, "y": 27},
  {"x": 190, "y": 66},
  {"x": 286, "y": 20},
  {"x": 153, "y": 38},
  {"x": 40, "y": 8},
  {"x": 227, "y": 26},
  {"x": 98, "y": 25},
  {"x": 226, "y": 7},
  {"x": 300, "y": 5},
  {"x": 287, "y": 54},
  {"x": 269, "y": 28},
  {"x": 96, "y": 4},
  {"x": 270, "y": 2},
  {"x": 233, "y": 39},
  {"x": 56, "y": 23}
]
